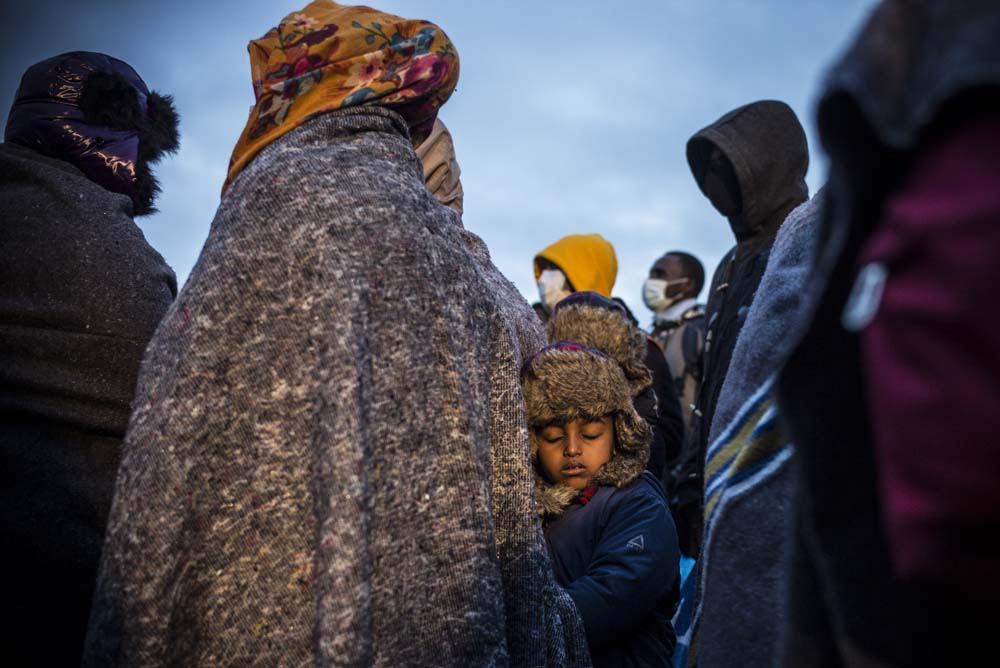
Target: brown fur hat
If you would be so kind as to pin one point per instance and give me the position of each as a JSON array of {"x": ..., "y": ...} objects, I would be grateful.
[
  {"x": 565, "y": 381},
  {"x": 598, "y": 322}
]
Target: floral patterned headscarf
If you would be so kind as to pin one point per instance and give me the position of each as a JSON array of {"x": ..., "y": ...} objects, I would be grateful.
[{"x": 329, "y": 56}]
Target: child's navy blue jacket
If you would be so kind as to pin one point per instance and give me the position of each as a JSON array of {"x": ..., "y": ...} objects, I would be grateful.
[{"x": 617, "y": 557}]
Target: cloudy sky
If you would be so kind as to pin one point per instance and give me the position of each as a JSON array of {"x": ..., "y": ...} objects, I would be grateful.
[{"x": 570, "y": 115}]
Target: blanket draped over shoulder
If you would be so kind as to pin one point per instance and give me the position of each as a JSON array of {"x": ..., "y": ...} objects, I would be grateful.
[{"x": 328, "y": 462}]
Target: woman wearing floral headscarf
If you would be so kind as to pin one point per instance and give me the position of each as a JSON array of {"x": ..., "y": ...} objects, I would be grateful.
[{"x": 328, "y": 463}]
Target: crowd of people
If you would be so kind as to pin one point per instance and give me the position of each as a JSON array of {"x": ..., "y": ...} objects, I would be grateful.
[{"x": 348, "y": 440}]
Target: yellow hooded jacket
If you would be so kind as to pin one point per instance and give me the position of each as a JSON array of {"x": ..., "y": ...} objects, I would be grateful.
[{"x": 588, "y": 260}]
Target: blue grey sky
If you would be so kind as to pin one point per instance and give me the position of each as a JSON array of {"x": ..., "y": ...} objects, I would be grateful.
[{"x": 570, "y": 116}]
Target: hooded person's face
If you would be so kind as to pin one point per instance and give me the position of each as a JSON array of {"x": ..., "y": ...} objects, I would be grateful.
[
  {"x": 723, "y": 190},
  {"x": 721, "y": 185},
  {"x": 553, "y": 284},
  {"x": 751, "y": 165}
]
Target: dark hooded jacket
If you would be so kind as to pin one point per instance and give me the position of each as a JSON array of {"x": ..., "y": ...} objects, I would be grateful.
[
  {"x": 766, "y": 146},
  {"x": 916, "y": 72},
  {"x": 81, "y": 293}
]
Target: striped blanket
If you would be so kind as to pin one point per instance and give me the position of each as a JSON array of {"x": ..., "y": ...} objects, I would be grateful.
[{"x": 730, "y": 612}]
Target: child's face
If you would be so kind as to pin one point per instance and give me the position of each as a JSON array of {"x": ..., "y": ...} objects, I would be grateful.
[{"x": 572, "y": 453}]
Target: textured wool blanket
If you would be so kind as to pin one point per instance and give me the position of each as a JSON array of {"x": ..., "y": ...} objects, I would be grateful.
[{"x": 328, "y": 462}]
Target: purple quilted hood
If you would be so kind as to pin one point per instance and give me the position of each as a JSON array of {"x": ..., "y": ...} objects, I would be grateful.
[{"x": 96, "y": 113}]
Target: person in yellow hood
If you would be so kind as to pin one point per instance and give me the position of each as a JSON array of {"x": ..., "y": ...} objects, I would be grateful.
[{"x": 575, "y": 262}]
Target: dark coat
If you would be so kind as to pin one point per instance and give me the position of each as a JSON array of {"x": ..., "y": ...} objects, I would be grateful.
[
  {"x": 81, "y": 292},
  {"x": 915, "y": 71},
  {"x": 665, "y": 418},
  {"x": 617, "y": 557},
  {"x": 683, "y": 342},
  {"x": 767, "y": 147}
]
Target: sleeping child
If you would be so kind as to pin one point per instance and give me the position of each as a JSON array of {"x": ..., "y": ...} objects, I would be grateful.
[{"x": 610, "y": 536}]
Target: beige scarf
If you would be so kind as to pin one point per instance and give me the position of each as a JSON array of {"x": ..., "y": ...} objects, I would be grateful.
[{"x": 441, "y": 171}]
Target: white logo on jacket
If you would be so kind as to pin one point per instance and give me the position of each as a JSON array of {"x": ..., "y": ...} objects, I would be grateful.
[{"x": 637, "y": 544}]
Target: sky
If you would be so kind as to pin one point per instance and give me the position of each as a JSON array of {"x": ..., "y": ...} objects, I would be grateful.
[{"x": 570, "y": 116}]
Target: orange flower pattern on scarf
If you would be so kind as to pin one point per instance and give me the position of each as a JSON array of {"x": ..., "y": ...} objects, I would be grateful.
[{"x": 329, "y": 56}]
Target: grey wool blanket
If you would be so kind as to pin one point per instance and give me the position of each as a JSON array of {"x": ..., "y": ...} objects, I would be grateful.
[
  {"x": 328, "y": 462},
  {"x": 748, "y": 477}
]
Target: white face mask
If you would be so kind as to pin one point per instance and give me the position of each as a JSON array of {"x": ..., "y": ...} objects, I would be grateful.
[
  {"x": 654, "y": 293},
  {"x": 552, "y": 287}
]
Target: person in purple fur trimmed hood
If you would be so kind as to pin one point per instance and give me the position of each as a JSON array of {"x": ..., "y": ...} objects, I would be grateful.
[{"x": 81, "y": 292}]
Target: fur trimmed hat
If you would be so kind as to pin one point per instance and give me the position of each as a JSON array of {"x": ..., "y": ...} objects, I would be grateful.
[
  {"x": 565, "y": 381},
  {"x": 96, "y": 113},
  {"x": 592, "y": 319}
]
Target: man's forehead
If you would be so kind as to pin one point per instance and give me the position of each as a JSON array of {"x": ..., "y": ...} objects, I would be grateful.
[{"x": 670, "y": 264}]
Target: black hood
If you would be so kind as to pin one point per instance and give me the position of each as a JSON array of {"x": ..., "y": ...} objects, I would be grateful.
[{"x": 766, "y": 145}]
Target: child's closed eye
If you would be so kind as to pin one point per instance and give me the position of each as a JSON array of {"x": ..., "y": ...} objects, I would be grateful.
[
  {"x": 552, "y": 435},
  {"x": 593, "y": 430}
]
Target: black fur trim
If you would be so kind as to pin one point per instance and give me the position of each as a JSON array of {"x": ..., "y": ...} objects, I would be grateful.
[
  {"x": 158, "y": 134},
  {"x": 146, "y": 190},
  {"x": 109, "y": 100},
  {"x": 161, "y": 133}
]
